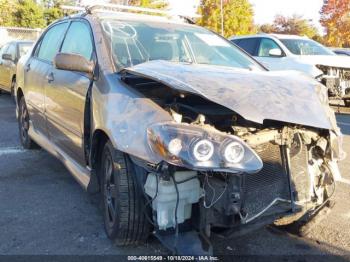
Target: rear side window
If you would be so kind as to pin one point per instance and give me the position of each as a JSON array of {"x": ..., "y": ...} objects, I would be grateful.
[
  {"x": 249, "y": 45},
  {"x": 78, "y": 40},
  {"x": 51, "y": 42}
]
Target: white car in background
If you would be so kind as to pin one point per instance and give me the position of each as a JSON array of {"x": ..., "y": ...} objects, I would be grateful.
[{"x": 291, "y": 52}]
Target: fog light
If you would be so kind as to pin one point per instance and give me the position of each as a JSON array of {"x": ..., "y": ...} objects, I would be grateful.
[
  {"x": 203, "y": 150},
  {"x": 175, "y": 146},
  {"x": 234, "y": 152}
]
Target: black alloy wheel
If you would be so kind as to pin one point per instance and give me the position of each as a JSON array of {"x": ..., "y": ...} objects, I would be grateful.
[{"x": 124, "y": 207}]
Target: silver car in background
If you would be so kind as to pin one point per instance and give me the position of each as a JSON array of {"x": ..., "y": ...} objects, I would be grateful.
[{"x": 291, "y": 52}]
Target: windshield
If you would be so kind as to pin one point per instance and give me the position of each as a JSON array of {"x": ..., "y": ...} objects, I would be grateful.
[
  {"x": 133, "y": 43},
  {"x": 24, "y": 48},
  {"x": 305, "y": 47}
]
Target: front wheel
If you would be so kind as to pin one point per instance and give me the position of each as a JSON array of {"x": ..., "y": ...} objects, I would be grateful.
[
  {"x": 23, "y": 124},
  {"x": 123, "y": 199}
]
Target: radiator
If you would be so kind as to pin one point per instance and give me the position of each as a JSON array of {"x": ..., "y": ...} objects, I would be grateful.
[{"x": 262, "y": 188}]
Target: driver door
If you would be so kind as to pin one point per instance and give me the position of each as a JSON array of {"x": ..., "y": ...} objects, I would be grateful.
[{"x": 66, "y": 93}]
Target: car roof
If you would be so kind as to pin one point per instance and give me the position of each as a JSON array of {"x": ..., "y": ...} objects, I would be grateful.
[
  {"x": 139, "y": 17},
  {"x": 19, "y": 41},
  {"x": 341, "y": 49},
  {"x": 23, "y": 41},
  {"x": 167, "y": 17},
  {"x": 276, "y": 36}
]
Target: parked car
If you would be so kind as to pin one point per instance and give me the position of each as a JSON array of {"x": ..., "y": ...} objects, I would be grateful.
[
  {"x": 339, "y": 51},
  {"x": 179, "y": 130},
  {"x": 290, "y": 52},
  {"x": 9, "y": 56}
]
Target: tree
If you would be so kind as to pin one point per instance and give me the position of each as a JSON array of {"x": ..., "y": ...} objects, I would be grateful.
[
  {"x": 335, "y": 17},
  {"x": 53, "y": 13},
  {"x": 238, "y": 16},
  {"x": 294, "y": 25},
  {"x": 7, "y": 13},
  {"x": 29, "y": 14}
]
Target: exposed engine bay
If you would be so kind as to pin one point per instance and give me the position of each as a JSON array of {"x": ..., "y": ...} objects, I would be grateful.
[
  {"x": 291, "y": 167},
  {"x": 337, "y": 80}
]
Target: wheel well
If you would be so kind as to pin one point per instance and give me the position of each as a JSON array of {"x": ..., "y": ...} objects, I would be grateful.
[
  {"x": 19, "y": 94},
  {"x": 99, "y": 139}
]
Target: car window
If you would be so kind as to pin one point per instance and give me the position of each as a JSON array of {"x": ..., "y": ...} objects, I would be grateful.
[
  {"x": 133, "y": 43},
  {"x": 305, "y": 47},
  {"x": 24, "y": 48},
  {"x": 78, "y": 40},
  {"x": 51, "y": 42},
  {"x": 12, "y": 51},
  {"x": 249, "y": 45},
  {"x": 266, "y": 45},
  {"x": 2, "y": 50}
]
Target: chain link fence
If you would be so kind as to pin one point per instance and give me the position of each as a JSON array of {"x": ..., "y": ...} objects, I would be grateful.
[{"x": 17, "y": 33}]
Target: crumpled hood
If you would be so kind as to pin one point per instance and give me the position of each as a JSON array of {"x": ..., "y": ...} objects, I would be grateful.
[
  {"x": 327, "y": 60},
  {"x": 285, "y": 96}
]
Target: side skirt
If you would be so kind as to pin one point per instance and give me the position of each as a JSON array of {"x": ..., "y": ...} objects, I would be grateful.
[{"x": 80, "y": 173}]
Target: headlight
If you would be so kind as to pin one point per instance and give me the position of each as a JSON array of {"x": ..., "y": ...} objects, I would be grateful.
[
  {"x": 203, "y": 150},
  {"x": 175, "y": 146},
  {"x": 234, "y": 152},
  {"x": 200, "y": 148}
]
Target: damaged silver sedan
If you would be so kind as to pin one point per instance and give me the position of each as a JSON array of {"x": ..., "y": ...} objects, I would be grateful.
[{"x": 182, "y": 133}]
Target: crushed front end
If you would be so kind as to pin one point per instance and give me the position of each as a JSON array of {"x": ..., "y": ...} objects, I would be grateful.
[
  {"x": 241, "y": 150},
  {"x": 226, "y": 182}
]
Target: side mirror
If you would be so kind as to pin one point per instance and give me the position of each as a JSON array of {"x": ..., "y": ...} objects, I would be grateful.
[
  {"x": 275, "y": 52},
  {"x": 73, "y": 62},
  {"x": 7, "y": 57}
]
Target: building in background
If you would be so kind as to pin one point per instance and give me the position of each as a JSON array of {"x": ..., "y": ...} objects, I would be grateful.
[{"x": 8, "y": 34}]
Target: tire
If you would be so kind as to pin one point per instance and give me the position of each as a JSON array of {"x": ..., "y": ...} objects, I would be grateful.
[
  {"x": 23, "y": 124},
  {"x": 123, "y": 200}
]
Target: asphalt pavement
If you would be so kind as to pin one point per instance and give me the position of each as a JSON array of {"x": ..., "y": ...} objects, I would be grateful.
[{"x": 43, "y": 210}]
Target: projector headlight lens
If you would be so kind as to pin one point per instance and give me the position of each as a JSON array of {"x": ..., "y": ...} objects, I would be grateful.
[
  {"x": 234, "y": 152},
  {"x": 175, "y": 146},
  {"x": 203, "y": 150}
]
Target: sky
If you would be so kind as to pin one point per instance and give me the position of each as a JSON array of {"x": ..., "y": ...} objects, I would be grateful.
[{"x": 266, "y": 10}]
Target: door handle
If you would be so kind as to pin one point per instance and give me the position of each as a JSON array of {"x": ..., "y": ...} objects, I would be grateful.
[
  {"x": 27, "y": 68},
  {"x": 50, "y": 78}
]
